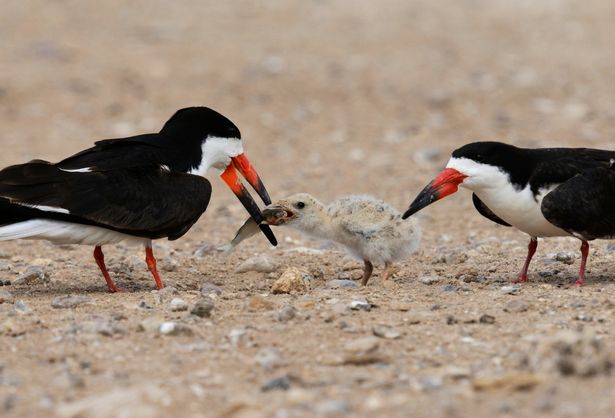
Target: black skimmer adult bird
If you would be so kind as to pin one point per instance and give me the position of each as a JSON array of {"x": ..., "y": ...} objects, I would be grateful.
[
  {"x": 138, "y": 189},
  {"x": 543, "y": 192}
]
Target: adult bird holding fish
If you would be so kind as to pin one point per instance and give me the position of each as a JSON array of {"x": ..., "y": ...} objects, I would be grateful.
[
  {"x": 138, "y": 189},
  {"x": 544, "y": 192}
]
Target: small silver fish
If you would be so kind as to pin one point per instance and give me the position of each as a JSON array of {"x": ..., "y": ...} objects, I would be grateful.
[{"x": 250, "y": 228}]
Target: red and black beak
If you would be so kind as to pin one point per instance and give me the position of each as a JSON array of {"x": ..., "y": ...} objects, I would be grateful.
[
  {"x": 231, "y": 178},
  {"x": 445, "y": 183}
]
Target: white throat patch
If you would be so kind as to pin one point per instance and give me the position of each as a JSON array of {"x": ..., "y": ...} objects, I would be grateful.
[
  {"x": 519, "y": 207},
  {"x": 217, "y": 153}
]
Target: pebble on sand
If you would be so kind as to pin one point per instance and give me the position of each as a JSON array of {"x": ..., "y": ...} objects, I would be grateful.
[
  {"x": 70, "y": 301},
  {"x": 292, "y": 280},
  {"x": 32, "y": 274},
  {"x": 260, "y": 264},
  {"x": 178, "y": 305},
  {"x": 386, "y": 331},
  {"x": 175, "y": 328},
  {"x": 6, "y": 297},
  {"x": 203, "y": 307}
]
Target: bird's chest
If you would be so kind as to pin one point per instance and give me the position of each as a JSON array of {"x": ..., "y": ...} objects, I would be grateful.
[{"x": 521, "y": 209}]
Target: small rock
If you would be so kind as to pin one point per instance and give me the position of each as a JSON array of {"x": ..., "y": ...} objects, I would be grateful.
[
  {"x": 451, "y": 288},
  {"x": 21, "y": 307},
  {"x": 563, "y": 257},
  {"x": 385, "y": 331},
  {"x": 144, "y": 305},
  {"x": 167, "y": 291},
  {"x": 401, "y": 306},
  {"x": 203, "y": 307},
  {"x": 520, "y": 381},
  {"x": 70, "y": 301},
  {"x": 175, "y": 328},
  {"x": 516, "y": 306},
  {"x": 6, "y": 297},
  {"x": 168, "y": 264},
  {"x": 430, "y": 383},
  {"x": 510, "y": 289},
  {"x": 107, "y": 328},
  {"x": 32, "y": 274},
  {"x": 428, "y": 280},
  {"x": 487, "y": 319},
  {"x": 259, "y": 303},
  {"x": 178, "y": 305},
  {"x": 451, "y": 320},
  {"x": 363, "y": 345},
  {"x": 149, "y": 325},
  {"x": 457, "y": 373},
  {"x": 610, "y": 246},
  {"x": 332, "y": 407},
  {"x": 209, "y": 289},
  {"x": 237, "y": 336},
  {"x": 292, "y": 280},
  {"x": 277, "y": 383},
  {"x": 360, "y": 305},
  {"x": 260, "y": 264},
  {"x": 287, "y": 313},
  {"x": 341, "y": 284},
  {"x": 583, "y": 317},
  {"x": 269, "y": 358}
]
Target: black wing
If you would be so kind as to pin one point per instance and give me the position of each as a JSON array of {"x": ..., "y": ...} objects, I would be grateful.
[
  {"x": 142, "y": 201},
  {"x": 584, "y": 205},
  {"x": 136, "y": 151},
  {"x": 557, "y": 165},
  {"x": 486, "y": 212}
]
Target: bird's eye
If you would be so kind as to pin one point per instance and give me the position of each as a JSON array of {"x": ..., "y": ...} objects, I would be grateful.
[{"x": 299, "y": 205}]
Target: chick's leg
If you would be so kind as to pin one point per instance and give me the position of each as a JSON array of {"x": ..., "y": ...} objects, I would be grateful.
[
  {"x": 389, "y": 271},
  {"x": 367, "y": 272}
]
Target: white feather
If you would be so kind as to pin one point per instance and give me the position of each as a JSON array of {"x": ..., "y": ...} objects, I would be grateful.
[
  {"x": 66, "y": 233},
  {"x": 78, "y": 170},
  {"x": 217, "y": 152},
  {"x": 43, "y": 208}
]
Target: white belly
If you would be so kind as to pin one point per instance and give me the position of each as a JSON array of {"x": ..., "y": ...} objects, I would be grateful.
[{"x": 521, "y": 210}]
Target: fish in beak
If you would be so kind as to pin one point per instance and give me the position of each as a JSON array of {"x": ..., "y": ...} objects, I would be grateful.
[
  {"x": 445, "y": 183},
  {"x": 229, "y": 176}
]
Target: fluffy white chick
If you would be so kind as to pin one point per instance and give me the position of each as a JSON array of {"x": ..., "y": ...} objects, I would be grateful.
[{"x": 370, "y": 229}]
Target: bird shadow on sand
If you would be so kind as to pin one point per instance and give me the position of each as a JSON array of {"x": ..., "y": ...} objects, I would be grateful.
[
  {"x": 61, "y": 289},
  {"x": 568, "y": 281}
]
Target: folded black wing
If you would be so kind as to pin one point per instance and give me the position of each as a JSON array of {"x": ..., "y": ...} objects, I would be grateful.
[
  {"x": 584, "y": 205},
  {"x": 142, "y": 201}
]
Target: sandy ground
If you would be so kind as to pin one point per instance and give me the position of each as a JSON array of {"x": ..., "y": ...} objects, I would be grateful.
[{"x": 332, "y": 97}]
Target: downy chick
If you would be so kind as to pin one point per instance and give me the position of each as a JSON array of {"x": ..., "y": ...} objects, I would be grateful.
[{"x": 370, "y": 229}]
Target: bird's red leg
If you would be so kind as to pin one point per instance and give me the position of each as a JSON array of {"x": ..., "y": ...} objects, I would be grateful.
[
  {"x": 531, "y": 249},
  {"x": 100, "y": 260},
  {"x": 584, "y": 252},
  {"x": 151, "y": 265}
]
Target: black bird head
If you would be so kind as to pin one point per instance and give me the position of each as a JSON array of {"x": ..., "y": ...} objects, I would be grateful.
[
  {"x": 475, "y": 165},
  {"x": 214, "y": 141}
]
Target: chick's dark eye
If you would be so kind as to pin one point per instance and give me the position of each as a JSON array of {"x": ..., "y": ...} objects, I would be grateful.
[{"x": 299, "y": 205}]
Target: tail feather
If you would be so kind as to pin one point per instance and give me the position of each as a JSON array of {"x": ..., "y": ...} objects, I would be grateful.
[{"x": 26, "y": 229}]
